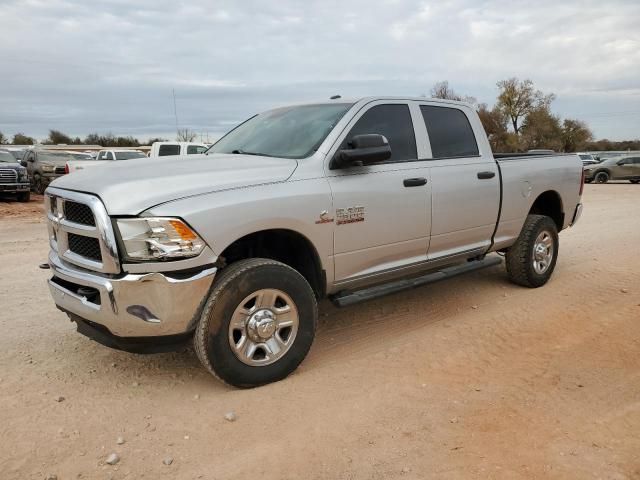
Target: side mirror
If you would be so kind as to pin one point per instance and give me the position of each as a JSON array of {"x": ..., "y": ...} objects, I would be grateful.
[
  {"x": 23, "y": 163},
  {"x": 366, "y": 149}
]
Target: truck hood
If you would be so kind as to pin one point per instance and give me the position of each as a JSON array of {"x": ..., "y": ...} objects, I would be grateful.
[{"x": 132, "y": 186}]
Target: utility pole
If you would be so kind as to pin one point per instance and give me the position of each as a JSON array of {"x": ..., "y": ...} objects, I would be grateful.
[{"x": 175, "y": 109}]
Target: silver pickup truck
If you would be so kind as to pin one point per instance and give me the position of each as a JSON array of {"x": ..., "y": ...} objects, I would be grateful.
[{"x": 346, "y": 200}]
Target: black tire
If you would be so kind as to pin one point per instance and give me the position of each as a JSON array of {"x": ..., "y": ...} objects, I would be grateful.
[
  {"x": 24, "y": 196},
  {"x": 233, "y": 284},
  {"x": 602, "y": 177},
  {"x": 39, "y": 185},
  {"x": 635, "y": 181},
  {"x": 520, "y": 256}
]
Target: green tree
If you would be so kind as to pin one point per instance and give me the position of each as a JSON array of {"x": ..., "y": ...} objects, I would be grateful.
[
  {"x": 151, "y": 141},
  {"x": 518, "y": 98},
  {"x": 57, "y": 137},
  {"x": 575, "y": 135},
  {"x": 495, "y": 123},
  {"x": 541, "y": 130},
  {"x": 22, "y": 139}
]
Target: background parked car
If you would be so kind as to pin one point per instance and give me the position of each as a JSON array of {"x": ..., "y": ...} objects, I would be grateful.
[
  {"x": 44, "y": 166},
  {"x": 13, "y": 177},
  {"x": 164, "y": 149},
  {"x": 587, "y": 159},
  {"x": 626, "y": 168},
  {"x": 103, "y": 157}
]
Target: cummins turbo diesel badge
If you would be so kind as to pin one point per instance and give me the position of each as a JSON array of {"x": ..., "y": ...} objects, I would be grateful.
[{"x": 349, "y": 215}]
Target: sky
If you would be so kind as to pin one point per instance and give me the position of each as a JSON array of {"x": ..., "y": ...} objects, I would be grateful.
[{"x": 111, "y": 66}]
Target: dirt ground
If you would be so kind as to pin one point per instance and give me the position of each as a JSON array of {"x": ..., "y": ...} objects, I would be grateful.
[{"x": 469, "y": 378}]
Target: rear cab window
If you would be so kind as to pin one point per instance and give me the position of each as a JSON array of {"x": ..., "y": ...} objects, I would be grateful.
[
  {"x": 168, "y": 149},
  {"x": 450, "y": 132}
]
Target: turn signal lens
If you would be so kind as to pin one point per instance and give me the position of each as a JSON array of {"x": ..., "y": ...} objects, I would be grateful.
[{"x": 181, "y": 229}]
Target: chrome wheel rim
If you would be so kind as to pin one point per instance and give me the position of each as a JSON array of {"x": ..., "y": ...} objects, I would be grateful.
[
  {"x": 543, "y": 250},
  {"x": 263, "y": 327}
]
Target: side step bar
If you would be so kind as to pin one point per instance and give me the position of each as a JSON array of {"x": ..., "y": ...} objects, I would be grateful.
[{"x": 350, "y": 298}]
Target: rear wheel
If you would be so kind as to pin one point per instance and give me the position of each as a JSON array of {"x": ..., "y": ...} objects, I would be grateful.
[
  {"x": 257, "y": 324},
  {"x": 602, "y": 177},
  {"x": 532, "y": 259}
]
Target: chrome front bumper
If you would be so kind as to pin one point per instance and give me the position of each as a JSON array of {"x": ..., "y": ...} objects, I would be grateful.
[{"x": 133, "y": 305}]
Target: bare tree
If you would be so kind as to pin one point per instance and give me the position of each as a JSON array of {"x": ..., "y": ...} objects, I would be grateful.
[
  {"x": 519, "y": 98},
  {"x": 186, "y": 135},
  {"x": 442, "y": 90},
  {"x": 3, "y": 139}
]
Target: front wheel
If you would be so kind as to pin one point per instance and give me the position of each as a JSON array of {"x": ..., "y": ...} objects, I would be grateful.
[
  {"x": 24, "y": 196},
  {"x": 602, "y": 177},
  {"x": 39, "y": 185},
  {"x": 531, "y": 260},
  {"x": 258, "y": 323}
]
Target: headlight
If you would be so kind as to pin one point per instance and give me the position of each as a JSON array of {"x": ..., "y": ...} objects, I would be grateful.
[
  {"x": 22, "y": 175},
  {"x": 48, "y": 168},
  {"x": 158, "y": 239}
]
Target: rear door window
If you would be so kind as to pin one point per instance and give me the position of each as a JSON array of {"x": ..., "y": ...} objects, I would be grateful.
[
  {"x": 450, "y": 132},
  {"x": 109, "y": 156},
  {"x": 394, "y": 122},
  {"x": 168, "y": 149}
]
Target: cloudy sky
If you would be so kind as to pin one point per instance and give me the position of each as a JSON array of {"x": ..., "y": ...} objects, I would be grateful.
[{"x": 110, "y": 66}]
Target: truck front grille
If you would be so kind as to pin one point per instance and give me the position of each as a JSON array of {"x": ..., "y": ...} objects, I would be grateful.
[
  {"x": 8, "y": 175},
  {"x": 79, "y": 213},
  {"x": 85, "y": 246},
  {"x": 80, "y": 230}
]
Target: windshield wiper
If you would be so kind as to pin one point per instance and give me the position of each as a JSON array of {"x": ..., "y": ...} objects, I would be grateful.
[{"x": 242, "y": 152}]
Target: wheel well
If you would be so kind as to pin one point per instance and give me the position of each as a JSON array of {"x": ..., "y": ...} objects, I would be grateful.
[
  {"x": 549, "y": 203},
  {"x": 286, "y": 246},
  {"x": 602, "y": 170}
]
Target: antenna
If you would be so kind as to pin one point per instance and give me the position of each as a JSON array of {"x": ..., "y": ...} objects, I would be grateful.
[{"x": 175, "y": 110}]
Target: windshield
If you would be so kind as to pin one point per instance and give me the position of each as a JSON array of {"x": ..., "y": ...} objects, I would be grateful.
[
  {"x": 586, "y": 157},
  {"x": 6, "y": 157},
  {"x": 290, "y": 132},
  {"x": 129, "y": 155},
  {"x": 54, "y": 157},
  {"x": 18, "y": 154}
]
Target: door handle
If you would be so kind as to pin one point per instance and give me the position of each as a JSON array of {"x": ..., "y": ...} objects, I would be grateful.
[
  {"x": 414, "y": 182},
  {"x": 486, "y": 175}
]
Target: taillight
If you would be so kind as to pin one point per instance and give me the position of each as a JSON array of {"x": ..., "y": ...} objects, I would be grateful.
[
  {"x": 582, "y": 182},
  {"x": 66, "y": 170}
]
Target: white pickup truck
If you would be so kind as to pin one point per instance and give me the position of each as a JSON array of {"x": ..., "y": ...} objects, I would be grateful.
[
  {"x": 165, "y": 149},
  {"x": 349, "y": 200},
  {"x": 103, "y": 158}
]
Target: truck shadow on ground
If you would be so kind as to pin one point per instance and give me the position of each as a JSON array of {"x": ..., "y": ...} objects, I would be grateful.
[{"x": 342, "y": 332}]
